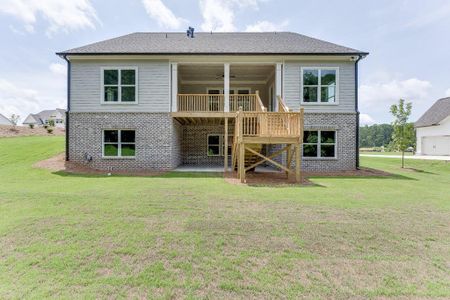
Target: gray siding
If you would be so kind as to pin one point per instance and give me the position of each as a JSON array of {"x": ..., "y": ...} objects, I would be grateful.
[
  {"x": 153, "y": 86},
  {"x": 292, "y": 86}
]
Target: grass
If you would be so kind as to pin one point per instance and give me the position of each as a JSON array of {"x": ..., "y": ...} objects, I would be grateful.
[{"x": 195, "y": 236}]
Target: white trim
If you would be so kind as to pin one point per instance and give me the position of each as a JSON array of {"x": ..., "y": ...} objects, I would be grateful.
[
  {"x": 319, "y": 144},
  {"x": 336, "y": 102},
  {"x": 119, "y": 85},
  {"x": 174, "y": 85},
  {"x": 119, "y": 144},
  {"x": 226, "y": 86}
]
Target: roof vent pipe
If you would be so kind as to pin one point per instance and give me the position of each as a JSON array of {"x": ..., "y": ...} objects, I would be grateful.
[{"x": 190, "y": 32}]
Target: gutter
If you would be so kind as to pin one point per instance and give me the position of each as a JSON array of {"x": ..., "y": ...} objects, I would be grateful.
[
  {"x": 68, "y": 105},
  {"x": 360, "y": 54}
]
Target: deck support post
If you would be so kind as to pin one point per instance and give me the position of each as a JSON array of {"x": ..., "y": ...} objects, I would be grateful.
[
  {"x": 297, "y": 163},
  {"x": 242, "y": 162},
  {"x": 174, "y": 90},
  {"x": 225, "y": 136},
  {"x": 288, "y": 158},
  {"x": 226, "y": 86}
]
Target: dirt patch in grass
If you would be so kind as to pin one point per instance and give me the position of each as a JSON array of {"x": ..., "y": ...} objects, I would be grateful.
[
  {"x": 8, "y": 131},
  {"x": 280, "y": 178},
  {"x": 59, "y": 164}
]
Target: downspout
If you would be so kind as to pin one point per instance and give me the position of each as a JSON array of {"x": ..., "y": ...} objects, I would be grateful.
[
  {"x": 357, "y": 111},
  {"x": 68, "y": 106}
]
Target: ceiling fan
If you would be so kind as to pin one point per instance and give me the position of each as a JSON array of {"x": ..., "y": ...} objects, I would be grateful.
[{"x": 221, "y": 76}]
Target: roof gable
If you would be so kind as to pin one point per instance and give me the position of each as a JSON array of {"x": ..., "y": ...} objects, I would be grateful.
[
  {"x": 213, "y": 43},
  {"x": 435, "y": 114}
]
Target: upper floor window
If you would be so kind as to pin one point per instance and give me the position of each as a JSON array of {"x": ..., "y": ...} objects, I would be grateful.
[
  {"x": 119, "y": 85},
  {"x": 319, "y": 85}
]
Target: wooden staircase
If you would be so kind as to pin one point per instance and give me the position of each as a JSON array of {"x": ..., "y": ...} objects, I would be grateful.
[{"x": 254, "y": 129}]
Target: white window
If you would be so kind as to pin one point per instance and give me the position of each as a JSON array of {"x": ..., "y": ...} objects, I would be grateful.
[
  {"x": 119, "y": 85},
  {"x": 216, "y": 145},
  {"x": 319, "y": 143},
  {"x": 119, "y": 143},
  {"x": 320, "y": 85}
]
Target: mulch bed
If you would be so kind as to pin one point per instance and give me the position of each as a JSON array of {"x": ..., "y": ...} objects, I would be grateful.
[
  {"x": 58, "y": 164},
  {"x": 9, "y": 131}
]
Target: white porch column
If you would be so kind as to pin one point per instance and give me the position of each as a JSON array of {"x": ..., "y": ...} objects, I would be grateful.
[
  {"x": 174, "y": 87},
  {"x": 278, "y": 83},
  {"x": 226, "y": 86}
]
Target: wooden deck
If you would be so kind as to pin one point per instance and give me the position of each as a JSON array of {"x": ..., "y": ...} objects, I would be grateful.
[{"x": 254, "y": 125}]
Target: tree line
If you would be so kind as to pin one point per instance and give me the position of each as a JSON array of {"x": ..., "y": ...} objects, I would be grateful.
[{"x": 380, "y": 135}]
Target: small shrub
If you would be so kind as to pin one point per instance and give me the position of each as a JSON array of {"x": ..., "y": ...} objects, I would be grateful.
[
  {"x": 31, "y": 126},
  {"x": 51, "y": 123},
  {"x": 45, "y": 126},
  {"x": 49, "y": 130}
]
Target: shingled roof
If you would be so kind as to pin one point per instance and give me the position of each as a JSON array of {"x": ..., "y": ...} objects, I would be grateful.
[
  {"x": 236, "y": 43},
  {"x": 435, "y": 114}
]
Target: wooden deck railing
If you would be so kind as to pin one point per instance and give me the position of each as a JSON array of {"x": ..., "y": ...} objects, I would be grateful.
[
  {"x": 216, "y": 103},
  {"x": 270, "y": 124},
  {"x": 200, "y": 103},
  {"x": 281, "y": 105}
]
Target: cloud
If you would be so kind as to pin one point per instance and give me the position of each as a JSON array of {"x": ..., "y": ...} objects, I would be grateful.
[
  {"x": 424, "y": 19},
  {"x": 380, "y": 95},
  {"x": 61, "y": 15},
  {"x": 447, "y": 93},
  {"x": 262, "y": 26},
  {"x": 162, "y": 14},
  {"x": 59, "y": 69},
  {"x": 219, "y": 15},
  {"x": 15, "y": 100},
  {"x": 365, "y": 119},
  {"x": 24, "y": 95}
]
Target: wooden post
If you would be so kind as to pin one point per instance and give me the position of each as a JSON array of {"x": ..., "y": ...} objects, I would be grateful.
[
  {"x": 225, "y": 163},
  {"x": 289, "y": 159},
  {"x": 242, "y": 162},
  {"x": 297, "y": 162}
]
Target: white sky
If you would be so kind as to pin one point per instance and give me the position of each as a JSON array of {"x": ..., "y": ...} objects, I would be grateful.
[{"x": 408, "y": 41}]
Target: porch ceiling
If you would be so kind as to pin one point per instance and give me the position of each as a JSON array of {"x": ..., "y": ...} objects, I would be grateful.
[{"x": 249, "y": 72}]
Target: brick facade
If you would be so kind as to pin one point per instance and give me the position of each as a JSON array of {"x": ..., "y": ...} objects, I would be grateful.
[
  {"x": 195, "y": 143},
  {"x": 158, "y": 139},
  {"x": 345, "y": 126},
  {"x": 163, "y": 144}
]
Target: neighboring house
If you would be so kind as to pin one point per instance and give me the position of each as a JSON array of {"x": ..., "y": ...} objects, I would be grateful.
[
  {"x": 160, "y": 100},
  {"x": 433, "y": 129},
  {"x": 40, "y": 119},
  {"x": 4, "y": 120}
]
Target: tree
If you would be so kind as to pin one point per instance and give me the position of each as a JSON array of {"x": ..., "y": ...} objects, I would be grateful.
[
  {"x": 14, "y": 120},
  {"x": 403, "y": 131}
]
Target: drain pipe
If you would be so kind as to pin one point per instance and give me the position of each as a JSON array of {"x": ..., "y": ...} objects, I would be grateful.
[
  {"x": 357, "y": 111},
  {"x": 68, "y": 105}
]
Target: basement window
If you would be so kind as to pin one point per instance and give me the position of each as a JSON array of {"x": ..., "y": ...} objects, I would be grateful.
[
  {"x": 319, "y": 144},
  {"x": 319, "y": 85},
  {"x": 216, "y": 145},
  {"x": 119, "y": 85},
  {"x": 119, "y": 143}
]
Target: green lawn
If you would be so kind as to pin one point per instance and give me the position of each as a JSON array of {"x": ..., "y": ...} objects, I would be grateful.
[{"x": 196, "y": 236}]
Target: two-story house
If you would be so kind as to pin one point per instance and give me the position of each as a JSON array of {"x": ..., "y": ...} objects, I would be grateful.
[{"x": 161, "y": 100}]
